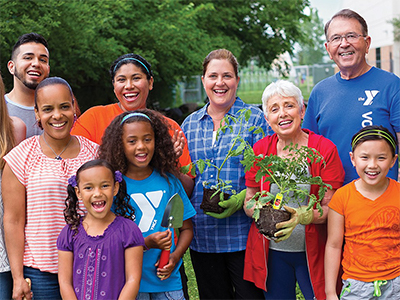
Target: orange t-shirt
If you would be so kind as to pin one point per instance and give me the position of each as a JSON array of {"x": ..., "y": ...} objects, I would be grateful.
[
  {"x": 93, "y": 122},
  {"x": 372, "y": 232}
]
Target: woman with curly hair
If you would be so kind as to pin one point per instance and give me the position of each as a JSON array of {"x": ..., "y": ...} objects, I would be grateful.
[{"x": 138, "y": 144}]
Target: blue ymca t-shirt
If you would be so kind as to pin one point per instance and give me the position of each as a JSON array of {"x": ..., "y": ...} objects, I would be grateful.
[
  {"x": 338, "y": 109},
  {"x": 149, "y": 198}
]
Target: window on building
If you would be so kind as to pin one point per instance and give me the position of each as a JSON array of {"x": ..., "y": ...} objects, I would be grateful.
[{"x": 378, "y": 57}]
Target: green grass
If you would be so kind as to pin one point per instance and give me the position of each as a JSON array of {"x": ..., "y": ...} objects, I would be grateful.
[
  {"x": 250, "y": 97},
  {"x": 254, "y": 97},
  {"x": 299, "y": 295},
  {"x": 192, "y": 284}
]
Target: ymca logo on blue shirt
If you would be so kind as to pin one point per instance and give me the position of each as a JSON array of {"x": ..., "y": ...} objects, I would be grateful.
[
  {"x": 370, "y": 97},
  {"x": 148, "y": 204}
]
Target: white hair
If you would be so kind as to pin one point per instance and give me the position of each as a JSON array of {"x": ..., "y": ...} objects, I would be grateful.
[{"x": 282, "y": 88}]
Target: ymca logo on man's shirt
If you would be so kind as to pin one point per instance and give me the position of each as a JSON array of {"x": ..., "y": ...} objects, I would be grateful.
[{"x": 370, "y": 97}]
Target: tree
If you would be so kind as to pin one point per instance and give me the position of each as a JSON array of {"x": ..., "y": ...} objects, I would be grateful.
[
  {"x": 396, "y": 28},
  {"x": 312, "y": 50},
  {"x": 86, "y": 36},
  {"x": 260, "y": 30}
]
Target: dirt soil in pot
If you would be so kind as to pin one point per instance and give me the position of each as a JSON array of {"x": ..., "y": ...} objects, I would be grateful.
[
  {"x": 269, "y": 217},
  {"x": 211, "y": 204}
]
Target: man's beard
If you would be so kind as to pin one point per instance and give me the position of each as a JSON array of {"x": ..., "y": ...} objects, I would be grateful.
[{"x": 29, "y": 85}]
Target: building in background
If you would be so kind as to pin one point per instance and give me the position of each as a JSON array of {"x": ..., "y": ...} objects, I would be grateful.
[{"x": 384, "y": 51}]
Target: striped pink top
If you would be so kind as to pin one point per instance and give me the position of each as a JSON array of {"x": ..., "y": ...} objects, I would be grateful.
[{"x": 45, "y": 180}]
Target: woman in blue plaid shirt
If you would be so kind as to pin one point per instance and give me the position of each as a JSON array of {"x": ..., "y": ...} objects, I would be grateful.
[{"x": 219, "y": 241}]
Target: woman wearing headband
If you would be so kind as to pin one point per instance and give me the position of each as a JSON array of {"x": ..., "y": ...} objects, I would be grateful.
[
  {"x": 132, "y": 80},
  {"x": 138, "y": 145}
]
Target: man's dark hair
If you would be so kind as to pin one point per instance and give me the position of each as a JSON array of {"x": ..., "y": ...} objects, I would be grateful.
[
  {"x": 28, "y": 38},
  {"x": 348, "y": 14}
]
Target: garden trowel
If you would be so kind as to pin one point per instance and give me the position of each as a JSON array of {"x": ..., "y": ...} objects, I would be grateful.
[{"x": 173, "y": 218}]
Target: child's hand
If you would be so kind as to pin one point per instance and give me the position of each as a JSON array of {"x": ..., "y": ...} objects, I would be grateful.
[
  {"x": 159, "y": 240},
  {"x": 179, "y": 142},
  {"x": 165, "y": 272}
]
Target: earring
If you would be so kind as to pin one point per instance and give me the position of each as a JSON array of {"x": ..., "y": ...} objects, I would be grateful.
[{"x": 39, "y": 123}]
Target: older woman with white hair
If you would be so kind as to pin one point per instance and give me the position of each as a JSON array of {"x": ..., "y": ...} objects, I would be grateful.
[{"x": 297, "y": 254}]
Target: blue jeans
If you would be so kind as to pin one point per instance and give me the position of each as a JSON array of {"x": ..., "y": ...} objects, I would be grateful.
[
  {"x": 284, "y": 268},
  {"x": 173, "y": 295},
  {"x": 44, "y": 284},
  {"x": 6, "y": 285}
]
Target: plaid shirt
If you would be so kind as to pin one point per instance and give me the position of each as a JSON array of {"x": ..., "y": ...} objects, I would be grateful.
[{"x": 213, "y": 235}]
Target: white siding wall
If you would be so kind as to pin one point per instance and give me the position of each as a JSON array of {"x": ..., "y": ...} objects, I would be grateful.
[{"x": 377, "y": 13}]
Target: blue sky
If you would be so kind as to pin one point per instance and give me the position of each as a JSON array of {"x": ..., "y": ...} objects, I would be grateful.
[{"x": 326, "y": 8}]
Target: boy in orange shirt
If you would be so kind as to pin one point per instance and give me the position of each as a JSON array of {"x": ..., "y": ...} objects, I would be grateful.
[{"x": 366, "y": 212}]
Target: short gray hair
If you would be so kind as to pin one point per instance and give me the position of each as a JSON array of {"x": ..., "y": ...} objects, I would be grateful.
[
  {"x": 282, "y": 88},
  {"x": 348, "y": 14}
]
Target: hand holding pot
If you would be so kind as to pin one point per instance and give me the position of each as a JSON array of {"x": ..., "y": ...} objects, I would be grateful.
[
  {"x": 232, "y": 205},
  {"x": 298, "y": 216}
]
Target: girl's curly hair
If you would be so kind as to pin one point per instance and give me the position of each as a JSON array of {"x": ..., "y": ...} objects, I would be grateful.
[
  {"x": 164, "y": 158},
  {"x": 73, "y": 214}
]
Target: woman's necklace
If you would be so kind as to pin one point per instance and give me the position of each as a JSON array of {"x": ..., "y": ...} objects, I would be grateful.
[{"x": 58, "y": 157}]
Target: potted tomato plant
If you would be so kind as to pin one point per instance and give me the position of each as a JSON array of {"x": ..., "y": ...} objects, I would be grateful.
[
  {"x": 219, "y": 190},
  {"x": 291, "y": 176}
]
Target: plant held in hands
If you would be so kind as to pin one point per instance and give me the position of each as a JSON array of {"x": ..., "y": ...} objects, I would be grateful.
[
  {"x": 221, "y": 190},
  {"x": 288, "y": 173}
]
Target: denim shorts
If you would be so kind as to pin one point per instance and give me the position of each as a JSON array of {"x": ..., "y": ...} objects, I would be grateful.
[
  {"x": 44, "y": 284},
  {"x": 172, "y": 295},
  {"x": 355, "y": 290}
]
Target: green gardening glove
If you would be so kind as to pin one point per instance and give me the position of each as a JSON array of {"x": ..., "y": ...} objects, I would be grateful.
[
  {"x": 232, "y": 205},
  {"x": 298, "y": 216}
]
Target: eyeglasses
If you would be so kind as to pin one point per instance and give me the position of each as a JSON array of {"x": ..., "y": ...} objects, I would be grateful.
[{"x": 350, "y": 37}]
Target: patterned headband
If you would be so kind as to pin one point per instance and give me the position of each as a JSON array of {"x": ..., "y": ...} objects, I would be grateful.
[
  {"x": 378, "y": 132},
  {"x": 134, "y": 114},
  {"x": 131, "y": 58}
]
